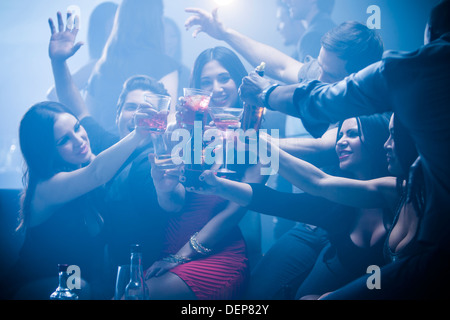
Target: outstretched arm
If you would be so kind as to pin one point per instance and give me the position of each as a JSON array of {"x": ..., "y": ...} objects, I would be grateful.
[
  {"x": 318, "y": 104},
  {"x": 377, "y": 193},
  {"x": 320, "y": 152},
  {"x": 67, "y": 186},
  {"x": 279, "y": 66}
]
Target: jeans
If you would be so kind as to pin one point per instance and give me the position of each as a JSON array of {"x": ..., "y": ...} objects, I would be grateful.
[{"x": 286, "y": 264}]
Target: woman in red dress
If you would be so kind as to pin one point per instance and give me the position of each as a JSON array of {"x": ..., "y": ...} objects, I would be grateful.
[{"x": 205, "y": 253}]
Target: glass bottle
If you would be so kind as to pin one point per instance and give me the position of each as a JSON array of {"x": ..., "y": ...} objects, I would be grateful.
[
  {"x": 137, "y": 288},
  {"x": 63, "y": 292}
]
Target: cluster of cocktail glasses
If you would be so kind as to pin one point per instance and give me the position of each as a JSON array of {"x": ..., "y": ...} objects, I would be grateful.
[{"x": 193, "y": 109}]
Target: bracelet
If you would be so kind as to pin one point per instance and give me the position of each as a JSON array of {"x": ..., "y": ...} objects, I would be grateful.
[
  {"x": 266, "y": 94},
  {"x": 174, "y": 258},
  {"x": 197, "y": 246}
]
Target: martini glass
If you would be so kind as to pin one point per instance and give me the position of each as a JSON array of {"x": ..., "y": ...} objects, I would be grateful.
[{"x": 226, "y": 119}]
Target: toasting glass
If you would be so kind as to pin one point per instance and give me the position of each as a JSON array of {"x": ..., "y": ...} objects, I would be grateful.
[
  {"x": 156, "y": 111},
  {"x": 226, "y": 119},
  {"x": 195, "y": 106}
]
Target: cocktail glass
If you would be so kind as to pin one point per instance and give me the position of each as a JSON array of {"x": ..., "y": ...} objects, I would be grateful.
[
  {"x": 195, "y": 106},
  {"x": 226, "y": 119}
]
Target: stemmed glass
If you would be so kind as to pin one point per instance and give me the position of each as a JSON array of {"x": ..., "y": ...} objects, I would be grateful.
[{"x": 226, "y": 119}]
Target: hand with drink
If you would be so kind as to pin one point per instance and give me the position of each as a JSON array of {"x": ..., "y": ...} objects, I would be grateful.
[
  {"x": 224, "y": 119},
  {"x": 252, "y": 87},
  {"x": 165, "y": 180},
  {"x": 208, "y": 184},
  {"x": 152, "y": 116}
]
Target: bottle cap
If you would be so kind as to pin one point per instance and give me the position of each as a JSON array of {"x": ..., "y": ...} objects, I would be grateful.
[{"x": 136, "y": 248}]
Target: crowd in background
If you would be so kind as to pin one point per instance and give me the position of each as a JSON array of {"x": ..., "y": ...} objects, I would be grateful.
[{"x": 362, "y": 176}]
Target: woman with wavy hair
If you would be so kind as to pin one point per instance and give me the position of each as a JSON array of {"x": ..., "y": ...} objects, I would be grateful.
[
  {"x": 135, "y": 47},
  {"x": 355, "y": 206}
]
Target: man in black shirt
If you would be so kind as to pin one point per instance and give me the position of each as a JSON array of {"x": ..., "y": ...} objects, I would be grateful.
[{"x": 415, "y": 86}]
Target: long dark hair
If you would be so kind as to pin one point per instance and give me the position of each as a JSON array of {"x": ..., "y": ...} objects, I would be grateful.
[
  {"x": 101, "y": 22},
  {"x": 405, "y": 148},
  {"x": 373, "y": 133},
  {"x": 410, "y": 183},
  {"x": 138, "y": 30},
  {"x": 37, "y": 143},
  {"x": 227, "y": 59}
]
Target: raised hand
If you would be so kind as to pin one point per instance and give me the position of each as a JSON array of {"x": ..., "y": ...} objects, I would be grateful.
[
  {"x": 62, "y": 42},
  {"x": 206, "y": 22}
]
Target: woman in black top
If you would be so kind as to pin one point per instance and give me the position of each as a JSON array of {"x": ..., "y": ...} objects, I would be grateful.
[
  {"x": 61, "y": 182},
  {"x": 356, "y": 208}
]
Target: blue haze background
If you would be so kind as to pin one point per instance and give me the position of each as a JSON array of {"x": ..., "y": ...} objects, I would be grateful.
[{"x": 25, "y": 72}]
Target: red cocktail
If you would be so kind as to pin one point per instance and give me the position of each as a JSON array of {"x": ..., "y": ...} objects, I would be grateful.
[
  {"x": 153, "y": 115},
  {"x": 196, "y": 103}
]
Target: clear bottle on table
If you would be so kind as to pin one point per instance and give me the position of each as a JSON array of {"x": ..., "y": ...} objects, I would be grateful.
[
  {"x": 63, "y": 292},
  {"x": 137, "y": 288}
]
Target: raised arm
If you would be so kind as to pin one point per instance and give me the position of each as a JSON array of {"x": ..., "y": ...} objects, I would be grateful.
[
  {"x": 61, "y": 47},
  {"x": 279, "y": 66},
  {"x": 67, "y": 186},
  {"x": 377, "y": 193},
  {"x": 318, "y": 151},
  {"x": 318, "y": 104}
]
